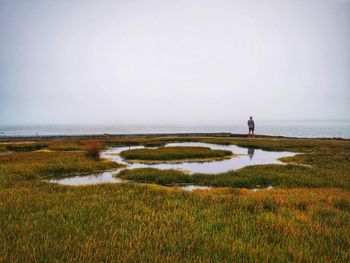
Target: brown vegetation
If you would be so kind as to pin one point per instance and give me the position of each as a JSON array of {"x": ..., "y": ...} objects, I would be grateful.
[{"x": 93, "y": 149}]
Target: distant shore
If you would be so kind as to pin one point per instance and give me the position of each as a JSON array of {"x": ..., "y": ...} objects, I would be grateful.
[{"x": 11, "y": 138}]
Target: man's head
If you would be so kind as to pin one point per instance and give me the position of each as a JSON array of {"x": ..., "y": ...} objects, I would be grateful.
[{"x": 251, "y": 117}]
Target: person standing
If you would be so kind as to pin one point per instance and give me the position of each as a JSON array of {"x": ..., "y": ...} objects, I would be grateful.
[{"x": 251, "y": 127}]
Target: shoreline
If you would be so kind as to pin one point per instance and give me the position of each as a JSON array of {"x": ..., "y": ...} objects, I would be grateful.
[{"x": 13, "y": 138}]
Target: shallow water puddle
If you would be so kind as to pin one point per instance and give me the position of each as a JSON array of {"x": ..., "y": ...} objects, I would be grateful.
[
  {"x": 246, "y": 157},
  {"x": 262, "y": 188},
  {"x": 192, "y": 187},
  {"x": 105, "y": 177}
]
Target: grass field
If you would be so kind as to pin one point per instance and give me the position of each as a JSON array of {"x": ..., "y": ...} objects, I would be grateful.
[
  {"x": 174, "y": 153},
  {"x": 306, "y": 217}
]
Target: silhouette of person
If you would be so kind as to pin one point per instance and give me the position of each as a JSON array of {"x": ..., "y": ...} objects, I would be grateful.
[{"x": 251, "y": 127}]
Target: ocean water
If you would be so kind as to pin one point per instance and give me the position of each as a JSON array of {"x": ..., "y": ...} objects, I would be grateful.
[{"x": 310, "y": 129}]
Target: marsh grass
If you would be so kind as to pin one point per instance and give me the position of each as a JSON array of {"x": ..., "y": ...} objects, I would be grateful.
[
  {"x": 25, "y": 147},
  {"x": 152, "y": 175},
  {"x": 286, "y": 176},
  {"x": 128, "y": 223},
  {"x": 174, "y": 153},
  {"x": 323, "y": 164},
  {"x": 31, "y": 165},
  {"x": 55, "y": 145},
  {"x": 66, "y": 145},
  {"x": 42, "y": 222}
]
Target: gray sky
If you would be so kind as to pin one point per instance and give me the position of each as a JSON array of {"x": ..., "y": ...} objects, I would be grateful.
[{"x": 154, "y": 61}]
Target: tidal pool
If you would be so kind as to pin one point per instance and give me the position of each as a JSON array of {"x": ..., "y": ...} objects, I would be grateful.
[
  {"x": 105, "y": 177},
  {"x": 194, "y": 187},
  {"x": 245, "y": 157}
]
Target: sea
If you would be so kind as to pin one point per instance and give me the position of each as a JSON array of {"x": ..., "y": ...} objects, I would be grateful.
[{"x": 302, "y": 129}]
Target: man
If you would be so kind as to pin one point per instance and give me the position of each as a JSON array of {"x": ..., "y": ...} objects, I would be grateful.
[{"x": 251, "y": 126}]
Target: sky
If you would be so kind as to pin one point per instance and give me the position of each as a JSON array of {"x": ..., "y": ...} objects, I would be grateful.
[{"x": 173, "y": 61}]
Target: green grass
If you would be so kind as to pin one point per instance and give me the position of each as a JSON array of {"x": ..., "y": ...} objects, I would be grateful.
[
  {"x": 57, "y": 145},
  {"x": 309, "y": 220},
  {"x": 174, "y": 153},
  {"x": 38, "y": 165},
  {"x": 40, "y": 222},
  {"x": 152, "y": 175},
  {"x": 25, "y": 147},
  {"x": 285, "y": 176}
]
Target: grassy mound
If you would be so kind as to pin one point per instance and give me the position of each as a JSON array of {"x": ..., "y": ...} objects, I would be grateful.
[
  {"x": 152, "y": 175},
  {"x": 174, "y": 153}
]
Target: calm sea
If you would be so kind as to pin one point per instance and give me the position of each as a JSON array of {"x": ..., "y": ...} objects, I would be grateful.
[{"x": 312, "y": 129}]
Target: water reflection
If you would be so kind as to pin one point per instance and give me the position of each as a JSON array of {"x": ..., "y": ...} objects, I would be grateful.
[
  {"x": 251, "y": 153},
  {"x": 99, "y": 178}
]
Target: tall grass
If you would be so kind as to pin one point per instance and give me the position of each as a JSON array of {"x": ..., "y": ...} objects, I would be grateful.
[{"x": 142, "y": 223}]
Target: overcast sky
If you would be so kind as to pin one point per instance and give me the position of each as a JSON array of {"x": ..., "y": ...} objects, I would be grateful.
[{"x": 171, "y": 61}]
